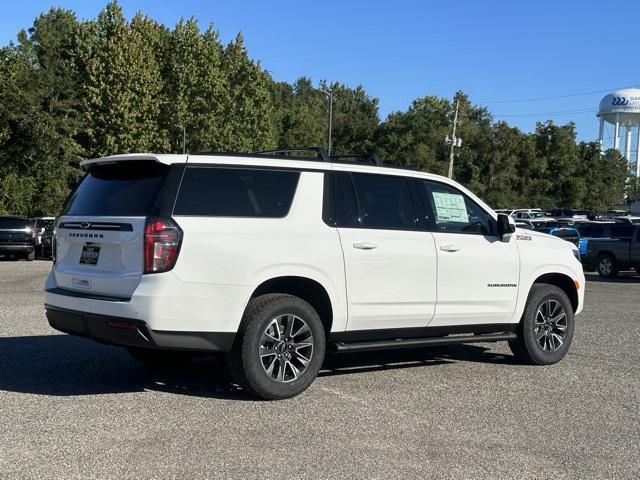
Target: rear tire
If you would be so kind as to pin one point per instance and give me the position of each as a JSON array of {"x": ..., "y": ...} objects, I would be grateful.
[
  {"x": 607, "y": 266},
  {"x": 279, "y": 348},
  {"x": 157, "y": 358},
  {"x": 546, "y": 328}
]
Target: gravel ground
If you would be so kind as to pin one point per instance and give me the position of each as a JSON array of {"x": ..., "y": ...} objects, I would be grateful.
[{"x": 71, "y": 408}]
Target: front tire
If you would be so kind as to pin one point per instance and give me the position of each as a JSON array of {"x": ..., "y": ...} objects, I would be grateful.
[
  {"x": 279, "y": 348},
  {"x": 547, "y": 326},
  {"x": 607, "y": 266},
  {"x": 30, "y": 257}
]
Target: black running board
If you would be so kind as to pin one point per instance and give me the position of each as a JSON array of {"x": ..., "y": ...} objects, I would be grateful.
[{"x": 343, "y": 347}]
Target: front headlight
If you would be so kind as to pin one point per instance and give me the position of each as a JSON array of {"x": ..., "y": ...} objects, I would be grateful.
[{"x": 576, "y": 253}]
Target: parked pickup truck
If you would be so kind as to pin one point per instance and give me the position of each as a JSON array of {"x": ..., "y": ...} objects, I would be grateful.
[{"x": 610, "y": 255}]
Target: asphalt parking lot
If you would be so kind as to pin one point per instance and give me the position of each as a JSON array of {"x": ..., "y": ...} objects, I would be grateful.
[{"x": 71, "y": 408}]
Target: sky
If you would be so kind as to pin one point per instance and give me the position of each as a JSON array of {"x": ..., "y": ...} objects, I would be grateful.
[{"x": 498, "y": 52}]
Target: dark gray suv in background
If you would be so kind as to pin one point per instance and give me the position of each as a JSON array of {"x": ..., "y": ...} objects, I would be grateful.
[{"x": 17, "y": 237}]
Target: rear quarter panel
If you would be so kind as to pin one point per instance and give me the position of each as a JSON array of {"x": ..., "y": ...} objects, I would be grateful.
[{"x": 248, "y": 251}]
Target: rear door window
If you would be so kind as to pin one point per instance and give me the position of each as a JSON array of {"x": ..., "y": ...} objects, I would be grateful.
[
  {"x": 236, "y": 192},
  {"x": 381, "y": 202},
  {"x": 345, "y": 202},
  {"x": 121, "y": 189}
]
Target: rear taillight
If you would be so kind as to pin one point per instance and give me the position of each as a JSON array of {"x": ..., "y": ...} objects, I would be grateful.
[{"x": 162, "y": 237}]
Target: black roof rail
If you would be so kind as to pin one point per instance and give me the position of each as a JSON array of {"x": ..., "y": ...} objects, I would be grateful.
[
  {"x": 369, "y": 158},
  {"x": 321, "y": 154}
]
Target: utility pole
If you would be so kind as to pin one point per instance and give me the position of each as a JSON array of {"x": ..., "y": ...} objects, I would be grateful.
[
  {"x": 184, "y": 138},
  {"x": 453, "y": 142},
  {"x": 329, "y": 95}
]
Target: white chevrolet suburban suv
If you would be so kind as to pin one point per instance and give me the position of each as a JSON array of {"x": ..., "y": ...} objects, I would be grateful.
[{"x": 274, "y": 259}]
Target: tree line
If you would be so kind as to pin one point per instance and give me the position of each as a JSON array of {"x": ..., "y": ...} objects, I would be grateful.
[{"x": 73, "y": 89}]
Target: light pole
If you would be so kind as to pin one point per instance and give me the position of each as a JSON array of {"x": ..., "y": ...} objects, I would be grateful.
[
  {"x": 329, "y": 95},
  {"x": 453, "y": 141},
  {"x": 184, "y": 138}
]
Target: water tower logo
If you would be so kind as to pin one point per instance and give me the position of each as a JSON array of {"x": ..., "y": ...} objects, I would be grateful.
[{"x": 622, "y": 110}]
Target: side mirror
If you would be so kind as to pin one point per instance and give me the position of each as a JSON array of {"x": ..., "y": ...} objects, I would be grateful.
[{"x": 506, "y": 227}]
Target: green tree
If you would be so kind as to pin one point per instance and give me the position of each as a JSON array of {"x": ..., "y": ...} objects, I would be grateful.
[
  {"x": 122, "y": 83},
  {"x": 194, "y": 88},
  {"x": 509, "y": 150},
  {"x": 303, "y": 121},
  {"x": 605, "y": 175},
  {"x": 355, "y": 118},
  {"x": 557, "y": 146},
  {"x": 246, "y": 121},
  {"x": 416, "y": 137},
  {"x": 39, "y": 120}
]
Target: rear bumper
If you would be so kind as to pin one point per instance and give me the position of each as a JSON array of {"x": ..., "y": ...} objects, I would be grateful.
[
  {"x": 161, "y": 301},
  {"x": 128, "y": 332}
]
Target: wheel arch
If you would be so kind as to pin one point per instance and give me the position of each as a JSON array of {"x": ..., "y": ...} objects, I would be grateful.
[
  {"x": 563, "y": 282},
  {"x": 606, "y": 252},
  {"x": 309, "y": 290}
]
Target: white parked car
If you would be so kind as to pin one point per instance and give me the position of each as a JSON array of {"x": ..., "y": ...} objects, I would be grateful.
[{"x": 275, "y": 260}]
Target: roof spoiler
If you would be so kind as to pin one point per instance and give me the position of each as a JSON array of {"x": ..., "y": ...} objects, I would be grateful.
[{"x": 166, "y": 159}]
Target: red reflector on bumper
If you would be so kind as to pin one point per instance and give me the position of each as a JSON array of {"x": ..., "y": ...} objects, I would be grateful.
[{"x": 123, "y": 325}]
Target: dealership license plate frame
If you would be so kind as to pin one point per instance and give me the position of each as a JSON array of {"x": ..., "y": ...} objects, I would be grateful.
[{"x": 89, "y": 255}]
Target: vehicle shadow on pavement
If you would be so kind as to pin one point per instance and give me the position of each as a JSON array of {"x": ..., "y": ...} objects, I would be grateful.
[
  {"x": 621, "y": 278},
  {"x": 352, "y": 363},
  {"x": 63, "y": 365}
]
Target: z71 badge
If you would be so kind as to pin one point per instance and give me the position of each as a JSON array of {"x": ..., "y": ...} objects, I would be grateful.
[{"x": 523, "y": 237}]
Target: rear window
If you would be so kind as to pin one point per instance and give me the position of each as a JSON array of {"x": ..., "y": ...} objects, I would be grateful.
[
  {"x": 236, "y": 192},
  {"x": 592, "y": 231},
  {"x": 566, "y": 234},
  {"x": 622, "y": 231},
  {"x": 14, "y": 223},
  {"x": 121, "y": 189},
  {"x": 43, "y": 223}
]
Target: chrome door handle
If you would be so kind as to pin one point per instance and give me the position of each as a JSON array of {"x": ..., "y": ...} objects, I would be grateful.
[
  {"x": 364, "y": 245},
  {"x": 449, "y": 247}
]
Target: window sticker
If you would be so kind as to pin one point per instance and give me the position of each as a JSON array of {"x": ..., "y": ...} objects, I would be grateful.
[{"x": 450, "y": 207}]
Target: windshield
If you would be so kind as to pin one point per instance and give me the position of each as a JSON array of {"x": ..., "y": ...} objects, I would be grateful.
[
  {"x": 43, "y": 223},
  {"x": 14, "y": 223},
  {"x": 121, "y": 189}
]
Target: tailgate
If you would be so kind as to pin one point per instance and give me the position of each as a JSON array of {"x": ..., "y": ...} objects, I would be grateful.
[
  {"x": 100, "y": 235},
  {"x": 101, "y": 255}
]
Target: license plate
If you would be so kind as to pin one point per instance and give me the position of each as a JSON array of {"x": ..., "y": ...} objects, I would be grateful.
[{"x": 89, "y": 255}]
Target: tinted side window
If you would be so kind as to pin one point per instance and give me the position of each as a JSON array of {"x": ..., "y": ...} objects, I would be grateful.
[
  {"x": 345, "y": 203},
  {"x": 236, "y": 192},
  {"x": 384, "y": 201},
  {"x": 591, "y": 231},
  {"x": 622, "y": 231},
  {"x": 453, "y": 211}
]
